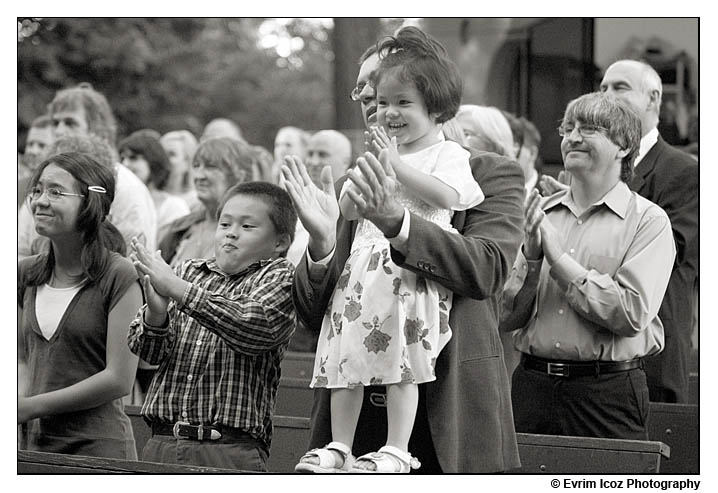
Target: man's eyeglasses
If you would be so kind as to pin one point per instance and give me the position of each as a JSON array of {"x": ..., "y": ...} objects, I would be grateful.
[
  {"x": 583, "y": 130},
  {"x": 355, "y": 95},
  {"x": 52, "y": 193}
]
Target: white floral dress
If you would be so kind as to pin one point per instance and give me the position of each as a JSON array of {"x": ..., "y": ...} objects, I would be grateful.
[{"x": 384, "y": 324}]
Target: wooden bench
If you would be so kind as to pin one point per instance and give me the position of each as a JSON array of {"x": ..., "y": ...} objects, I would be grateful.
[
  {"x": 693, "y": 388},
  {"x": 553, "y": 454},
  {"x": 298, "y": 365},
  {"x": 47, "y": 463},
  {"x": 539, "y": 453},
  {"x": 294, "y": 397},
  {"x": 677, "y": 425}
]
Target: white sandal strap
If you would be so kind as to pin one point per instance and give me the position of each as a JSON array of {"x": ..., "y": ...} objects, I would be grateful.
[
  {"x": 405, "y": 457},
  {"x": 327, "y": 458},
  {"x": 339, "y": 447}
]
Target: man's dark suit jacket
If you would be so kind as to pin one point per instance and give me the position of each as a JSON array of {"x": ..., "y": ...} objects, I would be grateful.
[
  {"x": 469, "y": 404},
  {"x": 669, "y": 178}
]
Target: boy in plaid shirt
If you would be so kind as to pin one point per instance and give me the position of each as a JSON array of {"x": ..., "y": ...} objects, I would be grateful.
[{"x": 218, "y": 328}]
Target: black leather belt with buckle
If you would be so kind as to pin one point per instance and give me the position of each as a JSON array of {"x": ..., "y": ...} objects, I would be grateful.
[
  {"x": 561, "y": 368},
  {"x": 182, "y": 430}
]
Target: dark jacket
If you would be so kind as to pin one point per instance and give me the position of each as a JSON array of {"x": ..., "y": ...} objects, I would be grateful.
[{"x": 669, "y": 177}]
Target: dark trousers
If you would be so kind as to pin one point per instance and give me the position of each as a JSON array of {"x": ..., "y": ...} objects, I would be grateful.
[
  {"x": 241, "y": 454},
  {"x": 612, "y": 405}
]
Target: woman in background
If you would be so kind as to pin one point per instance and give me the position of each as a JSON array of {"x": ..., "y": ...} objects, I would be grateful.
[
  {"x": 486, "y": 129},
  {"x": 218, "y": 164},
  {"x": 180, "y": 146},
  {"x": 144, "y": 156}
]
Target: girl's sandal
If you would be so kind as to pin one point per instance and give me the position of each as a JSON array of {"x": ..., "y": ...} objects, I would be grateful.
[
  {"x": 387, "y": 460},
  {"x": 327, "y": 460}
]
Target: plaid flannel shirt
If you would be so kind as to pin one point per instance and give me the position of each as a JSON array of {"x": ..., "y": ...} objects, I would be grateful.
[{"x": 220, "y": 352}]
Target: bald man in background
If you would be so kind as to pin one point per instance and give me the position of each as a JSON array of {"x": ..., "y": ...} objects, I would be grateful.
[
  {"x": 222, "y": 127},
  {"x": 324, "y": 148},
  {"x": 328, "y": 148}
]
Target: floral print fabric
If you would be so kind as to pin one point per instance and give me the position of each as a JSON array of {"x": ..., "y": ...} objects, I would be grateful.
[{"x": 384, "y": 324}]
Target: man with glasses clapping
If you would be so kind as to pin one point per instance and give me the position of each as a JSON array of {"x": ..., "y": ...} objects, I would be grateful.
[{"x": 585, "y": 291}]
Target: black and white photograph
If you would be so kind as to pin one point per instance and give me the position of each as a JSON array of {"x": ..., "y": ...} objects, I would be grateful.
[{"x": 463, "y": 246}]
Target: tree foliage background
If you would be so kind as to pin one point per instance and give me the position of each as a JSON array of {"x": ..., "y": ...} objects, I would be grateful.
[{"x": 169, "y": 74}]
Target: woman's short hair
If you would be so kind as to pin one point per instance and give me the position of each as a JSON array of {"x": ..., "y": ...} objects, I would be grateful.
[
  {"x": 150, "y": 148},
  {"x": 453, "y": 131},
  {"x": 236, "y": 158},
  {"x": 99, "y": 236},
  {"x": 622, "y": 124},
  {"x": 487, "y": 122},
  {"x": 281, "y": 210},
  {"x": 100, "y": 120}
]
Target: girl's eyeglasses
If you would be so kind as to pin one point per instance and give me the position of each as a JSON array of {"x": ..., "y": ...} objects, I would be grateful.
[{"x": 53, "y": 194}]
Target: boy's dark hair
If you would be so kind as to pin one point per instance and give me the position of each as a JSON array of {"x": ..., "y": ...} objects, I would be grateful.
[
  {"x": 281, "y": 209},
  {"x": 142, "y": 143},
  {"x": 423, "y": 61}
]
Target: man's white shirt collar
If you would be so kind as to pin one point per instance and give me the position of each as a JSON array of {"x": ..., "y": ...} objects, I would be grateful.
[{"x": 647, "y": 142}]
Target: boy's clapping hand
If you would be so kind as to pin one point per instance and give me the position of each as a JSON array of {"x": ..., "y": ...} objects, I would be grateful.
[{"x": 158, "y": 279}]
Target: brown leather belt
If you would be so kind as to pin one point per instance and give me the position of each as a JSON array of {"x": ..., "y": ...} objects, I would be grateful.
[
  {"x": 567, "y": 369},
  {"x": 184, "y": 430}
]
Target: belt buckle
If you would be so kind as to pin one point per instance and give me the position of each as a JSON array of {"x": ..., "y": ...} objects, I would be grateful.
[
  {"x": 557, "y": 369},
  {"x": 176, "y": 430}
]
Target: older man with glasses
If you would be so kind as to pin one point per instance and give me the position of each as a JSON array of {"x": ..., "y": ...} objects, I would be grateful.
[{"x": 587, "y": 286}]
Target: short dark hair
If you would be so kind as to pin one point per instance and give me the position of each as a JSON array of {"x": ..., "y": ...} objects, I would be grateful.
[
  {"x": 423, "y": 61},
  {"x": 142, "y": 143},
  {"x": 517, "y": 128},
  {"x": 617, "y": 117},
  {"x": 532, "y": 137},
  {"x": 281, "y": 210}
]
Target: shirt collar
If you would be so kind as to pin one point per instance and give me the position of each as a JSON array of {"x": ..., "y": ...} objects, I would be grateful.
[
  {"x": 211, "y": 264},
  {"x": 648, "y": 141},
  {"x": 617, "y": 199}
]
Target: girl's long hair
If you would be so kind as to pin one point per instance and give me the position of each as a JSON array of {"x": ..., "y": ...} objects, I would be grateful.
[{"x": 99, "y": 236}]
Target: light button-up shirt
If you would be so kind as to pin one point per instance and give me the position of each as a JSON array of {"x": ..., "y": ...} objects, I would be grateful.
[{"x": 600, "y": 299}]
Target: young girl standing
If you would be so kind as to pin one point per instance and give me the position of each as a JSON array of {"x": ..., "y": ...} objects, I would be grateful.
[{"x": 385, "y": 325}]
